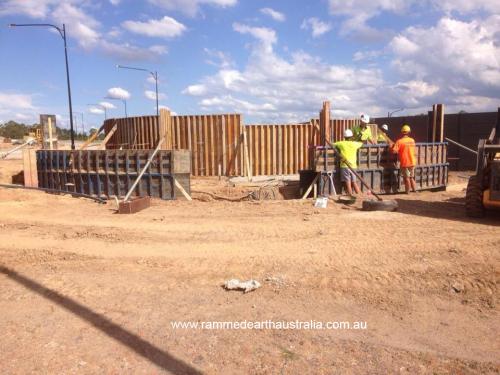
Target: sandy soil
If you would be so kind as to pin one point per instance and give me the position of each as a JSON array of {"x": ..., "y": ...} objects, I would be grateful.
[{"x": 83, "y": 290}]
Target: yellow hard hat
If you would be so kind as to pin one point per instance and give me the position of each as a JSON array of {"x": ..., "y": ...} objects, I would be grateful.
[{"x": 405, "y": 129}]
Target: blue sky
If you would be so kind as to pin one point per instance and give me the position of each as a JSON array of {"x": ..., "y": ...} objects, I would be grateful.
[{"x": 275, "y": 61}]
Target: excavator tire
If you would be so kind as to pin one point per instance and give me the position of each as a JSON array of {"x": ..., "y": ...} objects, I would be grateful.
[{"x": 474, "y": 198}]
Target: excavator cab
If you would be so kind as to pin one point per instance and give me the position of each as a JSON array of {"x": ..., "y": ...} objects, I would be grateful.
[{"x": 483, "y": 189}]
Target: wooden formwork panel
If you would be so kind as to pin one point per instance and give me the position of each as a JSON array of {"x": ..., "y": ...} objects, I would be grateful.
[
  {"x": 215, "y": 141},
  {"x": 108, "y": 173},
  {"x": 280, "y": 149}
]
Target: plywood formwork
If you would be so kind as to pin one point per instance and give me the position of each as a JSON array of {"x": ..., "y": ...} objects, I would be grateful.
[
  {"x": 29, "y": 167},
  {"x": 215, "y": 141},
  {"x": 280, "y": 149}
]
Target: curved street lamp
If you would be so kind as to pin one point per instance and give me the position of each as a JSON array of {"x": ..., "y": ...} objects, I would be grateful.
[
  {"x": 62, "y": 32},
  {"x": 389, "y": 114},
  {"x": 155, "y": 76}
]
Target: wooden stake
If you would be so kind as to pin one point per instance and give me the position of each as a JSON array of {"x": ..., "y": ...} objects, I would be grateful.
[
  {"x": 434, "y": 122},
  {"x": 109, "y": 135},
  {"x": 184, "y": 192},
  {"x": 129, "y": 193},
  {"x": 310, "y": 187},
  {"x": 92, "y": 138},
  {"x": 440, "y": 118},
  {"x": 326, "y": 119},
  {"x": 51, "y": 145},
  {"x": 247, "y": 158}
]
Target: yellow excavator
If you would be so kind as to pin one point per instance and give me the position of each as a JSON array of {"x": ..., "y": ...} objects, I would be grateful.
[
  {"x": 483, "y": 189},
  {"x": 35, "y": 134}
]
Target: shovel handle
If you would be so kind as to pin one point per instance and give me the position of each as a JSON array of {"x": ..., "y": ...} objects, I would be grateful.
[{"x": 356, "y": 173}]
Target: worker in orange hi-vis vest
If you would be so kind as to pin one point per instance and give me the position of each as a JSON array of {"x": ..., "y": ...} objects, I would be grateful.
[{"x": 405, "y": 148}]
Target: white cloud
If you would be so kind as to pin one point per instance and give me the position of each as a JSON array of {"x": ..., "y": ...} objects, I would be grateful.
[
  {"x": 151, "y": 95},
  {"x": 30, "y": 8},
  {"x": 191, "y": 7},
  {"x": 115, "y": 2},
  {"x": 118, "y": 93},
  {"x": 316, "y": 26},
  {"x": 366, "y": 55},
  {"x": 239, "y": 105},
  {"x": 129, "y": 52},
  {"x": 166, "y": 27},
  {"x": 273, "y": 89},
  {"x": 358, "y": 13},
  {"x": 107, "y": 105},
  {"x": 265, "y": 35},
  {"x": 270, "y": 88},
  {"x": 152, "y": 80},
  {"x": 465, "y": 54},
  {"x": 467, "y": 6},
  {"x": 80, "y": 25},
  {"x": 218, "y": 58},
  {"x": 16, "y": 101},
  {"x": 401, "y": 45},
  {"x": 115, "y": 32},
  {"x": 96, "y": 111},
  {"x": 23, "y": 117},
  {"x": 195, "y": 90},
  {"x": 159, "y": 50},
  {"x": 274, "y": 14}
]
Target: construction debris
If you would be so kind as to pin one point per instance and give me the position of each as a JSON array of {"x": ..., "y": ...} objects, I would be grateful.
[
  {"x": 246, "y": 286},
  {"x": 134, "y": 205}
]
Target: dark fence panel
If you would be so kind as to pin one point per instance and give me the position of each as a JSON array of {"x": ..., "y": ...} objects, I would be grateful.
[
  {"x": 380, "y": 169},
  {"x": 464, "y": 128},
  {"x": 108, "y": 173}
]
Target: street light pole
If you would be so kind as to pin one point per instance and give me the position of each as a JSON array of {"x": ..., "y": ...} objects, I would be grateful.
[
  {"x": 83, "y": 125},
  {"x": 153, "y": 74},
  {"x": 156, "y": 86},
  {"x": 62, "y": 32}
]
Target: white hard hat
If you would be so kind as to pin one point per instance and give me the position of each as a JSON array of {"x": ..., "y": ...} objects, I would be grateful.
[
  {"x": 365, "y": 119},
  {"x": 385, "y": 127},
  {"x": 348, "y": 133}
]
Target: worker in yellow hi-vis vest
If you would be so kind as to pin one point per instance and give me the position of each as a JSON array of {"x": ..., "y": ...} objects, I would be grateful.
[
  {"x": 363, "y": 133},
  {"x": 382, "y": 135},
  {"x": 348, "y": 149}
]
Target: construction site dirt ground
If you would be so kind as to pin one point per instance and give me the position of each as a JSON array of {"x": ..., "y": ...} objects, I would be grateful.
[{"x": 84, "y": 290}]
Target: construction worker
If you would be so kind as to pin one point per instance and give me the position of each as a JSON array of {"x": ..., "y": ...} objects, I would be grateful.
[
  {"x": 382, "y": 137},
  {"x": 363, "y": 133},
  {"x": 348, "y": 149},
  {"x": 405, "y": 148}
]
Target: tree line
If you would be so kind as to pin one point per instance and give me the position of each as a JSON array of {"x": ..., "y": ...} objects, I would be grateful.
[{"x": 16, "y": 130}]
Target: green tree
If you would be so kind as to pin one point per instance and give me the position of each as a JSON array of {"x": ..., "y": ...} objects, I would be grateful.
[{"x": 13, "y": 130}]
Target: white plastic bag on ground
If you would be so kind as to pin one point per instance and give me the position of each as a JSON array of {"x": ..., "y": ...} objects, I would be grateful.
[
  {"x": 321, "y": 202},
  {"x": 246, "y": 286}
]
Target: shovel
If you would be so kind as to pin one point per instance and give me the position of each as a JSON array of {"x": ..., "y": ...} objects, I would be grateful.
[{"x": 369, "y": 205}]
